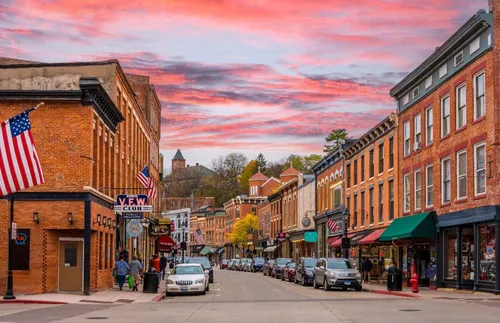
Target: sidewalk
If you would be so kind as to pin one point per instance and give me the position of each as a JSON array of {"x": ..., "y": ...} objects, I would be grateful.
[
  {"x": 110, "y": 296},
  {"x": 425, "y": 293}
]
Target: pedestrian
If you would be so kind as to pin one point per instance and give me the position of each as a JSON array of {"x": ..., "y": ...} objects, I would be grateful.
[
  {"x": 163, "y": 266},
  {"x": 122, "y": 268},
  {"x": 366, "y": 266},
  {"x": 135, "y": 270},
  {"x": 155, "y": 263}
]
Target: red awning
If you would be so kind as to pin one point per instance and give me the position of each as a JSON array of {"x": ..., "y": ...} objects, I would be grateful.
[
  {"x": 338, "y": 241},
  {"x": 331, "y": 240},
  {"x": 372, "y": 237}
]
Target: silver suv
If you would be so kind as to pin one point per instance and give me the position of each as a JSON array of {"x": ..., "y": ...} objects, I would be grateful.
[{"x": 336, "y": 272}]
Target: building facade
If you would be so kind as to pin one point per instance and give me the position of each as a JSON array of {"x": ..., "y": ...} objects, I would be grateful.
[
  {"x": 305, "y": 238},
  {"x": 448, "y": 116},
  {"x": 93, "y": 136}
]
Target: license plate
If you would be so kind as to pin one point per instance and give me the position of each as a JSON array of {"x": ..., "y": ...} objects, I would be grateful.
[
  {"x": 184, "y": 288},
  {"x": 347, "y": 282}
]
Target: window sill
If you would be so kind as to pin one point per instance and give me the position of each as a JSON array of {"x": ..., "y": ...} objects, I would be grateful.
[
  {"x": 446, "y": 204},
  {"x": 445, "y": 137},
  {"x": 408, "y": 156},
  {"x": 407, "y": 213},
  {"x": 478, "y": 120},
  {"x": 380, "y": 223},
  {"x": 371, "y": 225},
  {"x": 461, "y": 129},
  {"x": 417, "y": 151},
  {"x": 428, "y": 145},
  {"x": 461, "y": 200},
  {"x": 429, "y": 208},
  {"x": 418, "y": 210},
  {"x": 479, "y": 197},
  {"x": 380, "y": 174}
]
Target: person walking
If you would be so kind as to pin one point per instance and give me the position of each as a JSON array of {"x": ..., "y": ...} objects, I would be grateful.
[
  {"x": 163, "y": 266},
  {"x": 366, "y": 265},
  {"x": 122, "y": 268},
  {"x": 135, "y": 270}
]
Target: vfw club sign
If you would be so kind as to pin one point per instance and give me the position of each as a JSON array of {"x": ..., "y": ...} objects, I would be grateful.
[{"x": 132, "y": 204}]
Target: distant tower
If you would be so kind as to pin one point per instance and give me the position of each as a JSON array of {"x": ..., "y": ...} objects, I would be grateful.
[{"x": 178, "y": 162}]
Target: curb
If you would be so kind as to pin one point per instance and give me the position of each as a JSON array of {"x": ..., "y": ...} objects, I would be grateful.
[
  {"x": 27, "y": 301},
  {"x": 386, "y": 292},
  {"x": 158, "y": 298}
]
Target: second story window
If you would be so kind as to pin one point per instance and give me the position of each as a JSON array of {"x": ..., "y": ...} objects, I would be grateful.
[
  {"x": 429, "y": 126},
  {"x": 417, "y": 126},
  {"x": 391, "y": 200},
  {"x": 371, "y": 206},
  {"x": 429, "y": 186},
  {"x": 355, "y": 172},
  {"x": 381, "y": 158},
  {"x": 362, "y": 208},
  {"x": 372, "y": 163},
  {"x": 445, "y": 116},
  {"x": 418, "y": 189},
  {"x": 461, "y": 107},
  {"x": 445, "y": 180},
  {"x": 337, "y": 196},
  {"x": 362, "y": 168},
  {"x": 348, "y": 171},
  {"x": 462, "y": 174},
  {"x": 381, "y": 202},
  {"x": 406, "y": 193},
  {"x": 355, "y": 207},
  {"x": 480, "y": 168},
  {"x": 479, "y": 96},
  {"x": 406, "y": 129},
  {"x": 391, "y": 152}
]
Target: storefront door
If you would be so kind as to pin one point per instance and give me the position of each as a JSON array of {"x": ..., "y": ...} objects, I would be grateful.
[{"x": 70, "y": 266}]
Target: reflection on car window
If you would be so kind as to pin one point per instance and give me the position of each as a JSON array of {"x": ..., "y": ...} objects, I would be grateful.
[
  {"x": 339, "y": 264},
  {"x": 283, "y": 261},
  {"x": 187, "y": 270},
  {"x": 291, "y": 264},
  {"x": 309, "y": 262},
  {"x": 259, "y": 260},
  {"x": 202, "y": 261}
]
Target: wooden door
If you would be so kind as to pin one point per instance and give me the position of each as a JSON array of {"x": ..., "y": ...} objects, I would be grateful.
[{"x": 70, "y": 266}]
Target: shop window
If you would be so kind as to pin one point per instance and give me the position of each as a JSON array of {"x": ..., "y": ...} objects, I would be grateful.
[
  {"x": 467, "y": 253},
  {"x": 450, "y": 249},
  {"x": 487, "y": 253}
]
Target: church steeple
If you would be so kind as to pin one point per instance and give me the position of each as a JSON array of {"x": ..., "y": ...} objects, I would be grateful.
[{"x": 178, "y": 161}]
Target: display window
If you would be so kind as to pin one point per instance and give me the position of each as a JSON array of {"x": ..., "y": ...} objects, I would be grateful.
[
  {"x": 450, "y": 254},
  {"x": 468, "y": 253},
  {"x": 487, "y": 252}
]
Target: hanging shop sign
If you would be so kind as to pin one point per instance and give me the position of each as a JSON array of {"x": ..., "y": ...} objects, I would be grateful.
[
  {"x": 306, "y": 222},
  {"x": 134, "y": 228},
  {"x": 132, "y": 204},
  {"x": 166, "y": 244},
  {"x": 311, "y": 237},
  {"x": 280, "y": 236},
  {"x": 160, "y": 227}
]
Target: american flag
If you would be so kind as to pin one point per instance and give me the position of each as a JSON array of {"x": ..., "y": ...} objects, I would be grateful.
[
  {"x": 147, "y": 181},
  {"x": 198, "y": 236},
  {"x": 333, "y": 225},
  {"x": 19, "y": 164}
]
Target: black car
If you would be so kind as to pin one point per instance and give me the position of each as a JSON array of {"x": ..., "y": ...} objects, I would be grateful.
[
  {"x": 206, "y": 265},
  {"x": 258, "y": 265},
  {"x": 304, "y": 271},
  {"x": 278, "y": 266}
]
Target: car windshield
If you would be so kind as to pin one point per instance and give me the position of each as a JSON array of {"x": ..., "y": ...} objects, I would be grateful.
[
  {"x": 202, "y": 261},
  {"x": 291, "y": 265},
  {"x": 339, "y": 264},
  {"x": 311, "y": 262},
  {"x": 225, "y": 261},
  {"x": 283, "y": 261},
  {"x": 259, "y": 260},
  {"x": 187, "y": 270}
]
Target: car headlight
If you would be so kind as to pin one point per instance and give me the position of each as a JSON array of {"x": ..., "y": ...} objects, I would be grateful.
[
  {"x": 333, "y": 275},
  {"x": 200, "y": 281},
  {"x": 170, "y": 282},
  {"x": 358, "y": 276}
]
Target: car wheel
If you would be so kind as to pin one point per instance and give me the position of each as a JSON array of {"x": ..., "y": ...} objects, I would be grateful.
[
  {"x": 325, "y": 285},
  {"x": 208, "y": 288},
  {"x": 282, "y": 277},
  {"x": 295, "y": 280},
  {"x": 344, "y": 288},
  {"x": 303, "y": 281},
  {"x": 204, "y": 292},
  {"x": 359, "y": 288},
  {"x": 211, "y": 280},
  {"x": 315, "y": 285}
]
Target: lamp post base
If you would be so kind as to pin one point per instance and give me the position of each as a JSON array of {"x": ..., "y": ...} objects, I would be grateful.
[{"x": 9, "y": 294}]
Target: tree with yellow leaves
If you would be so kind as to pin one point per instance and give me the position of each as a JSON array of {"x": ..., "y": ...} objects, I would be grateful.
[{"x": 239, "y": 236}]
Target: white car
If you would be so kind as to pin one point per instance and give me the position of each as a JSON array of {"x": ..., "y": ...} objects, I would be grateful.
[{"x": 187, "y": 278}]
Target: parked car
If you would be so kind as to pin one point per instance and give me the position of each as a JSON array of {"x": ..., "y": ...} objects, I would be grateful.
[
  {"x": 336, "y": 272},
  {"x": 234, "y": 264},
  {"x": 258, "y": 264},
  {"x": 247, "y": 265},
  {"x": 206, "y": 265},
  {"x": 304, "y": 271},
  {"x": 241, "y": 263},
  {"x": 267, "y": 267},
  {"x": 278, "y": 266},
  {"x": 288, "y": 272},
  {"x": 224, "y": 264},
  {"x": 187, "y": 278}
]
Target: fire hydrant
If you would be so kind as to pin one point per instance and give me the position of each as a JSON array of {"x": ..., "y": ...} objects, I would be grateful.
[{"x": 414, "y": 278}]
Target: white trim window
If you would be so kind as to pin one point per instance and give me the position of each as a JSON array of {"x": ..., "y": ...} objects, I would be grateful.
[
  {"x": 446, "y": 180},
  {"x": 479, "y": 95},
  {"x": 417, "y": 126},
  {"x": 459, "y": 58},
  {"x": 418, "y": 189},
  {"x": 443, "y": 70},
  {"x": 406, "y": 188},
  {"x": 416, "y": 92},
  {"x": 475, "y": 45},
  {"x": 462, "y": 174},
  {"x": 429, "y": 186},
  {"x": 480, "y": 168},
  {"x": 406, "y": 99},
  {"x": 445, "y": 116},
  {"x": 429, "y": 126},
  {"x": 461, "y": 106},
  {"x": 428, "y": 82},
  {"x": 406, "y": 130}
]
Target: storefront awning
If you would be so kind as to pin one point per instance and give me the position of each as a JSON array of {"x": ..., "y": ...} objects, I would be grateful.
[
  {"x": 213, "y": 250},
  {"x": 338, "y": 241},
  {"x": 372, "y": 237},
  {"x": 205, "y": 250},
  {"x": 197, "y": 248},
  {"x": 415, "y": 226},
  {"x": 332, "y": 240},
  {"x": 270, "y": 249},
  {"x": 358, "y": 237}
]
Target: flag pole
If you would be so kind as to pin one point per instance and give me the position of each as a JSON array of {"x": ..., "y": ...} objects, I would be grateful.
[{"x": 9, "y": 294}]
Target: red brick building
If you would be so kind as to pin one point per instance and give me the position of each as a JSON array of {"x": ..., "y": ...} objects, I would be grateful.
[
  {"x": 448, "y": 152},
  {"x": 93, "y": 136}
]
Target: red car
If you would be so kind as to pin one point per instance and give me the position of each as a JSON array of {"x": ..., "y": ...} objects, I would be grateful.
[
  {"x": 224, "y": 264},
  {"x": 288, "y": 272}
]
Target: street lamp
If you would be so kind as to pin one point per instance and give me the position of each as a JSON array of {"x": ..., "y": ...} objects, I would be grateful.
[{"x": 345, "y": 243}]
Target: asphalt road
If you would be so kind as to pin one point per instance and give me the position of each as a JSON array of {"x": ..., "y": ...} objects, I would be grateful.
[{"x": 244, "y": 297}]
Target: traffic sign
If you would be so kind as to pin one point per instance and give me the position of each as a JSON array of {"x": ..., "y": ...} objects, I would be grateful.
[{"x": 252, "y": 247}]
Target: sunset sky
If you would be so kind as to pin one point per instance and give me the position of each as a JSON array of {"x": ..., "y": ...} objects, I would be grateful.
[{"x": 270, "y": 76}]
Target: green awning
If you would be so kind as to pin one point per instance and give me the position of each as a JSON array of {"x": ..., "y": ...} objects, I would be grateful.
[
  {"x": 414, "y": 226},
  {"x": 205, "y": 250}
]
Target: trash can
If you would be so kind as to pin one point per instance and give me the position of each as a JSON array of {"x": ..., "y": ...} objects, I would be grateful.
[
  {"x": 394, "y": 280},
  {"x": 151, "y": 282}
]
